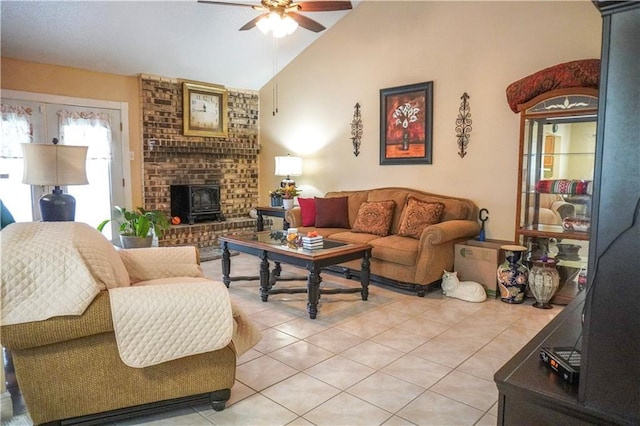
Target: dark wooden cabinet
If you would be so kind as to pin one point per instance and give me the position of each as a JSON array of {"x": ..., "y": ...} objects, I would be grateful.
[{"x": 604, "y": 321}]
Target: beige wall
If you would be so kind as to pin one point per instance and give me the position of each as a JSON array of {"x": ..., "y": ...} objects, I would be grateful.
[
  {"x": 74, "y": 82},
  {"x": 474, "y": 47}
]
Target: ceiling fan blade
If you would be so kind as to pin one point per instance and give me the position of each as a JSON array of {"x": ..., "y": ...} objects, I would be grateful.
[
  {"x": 307, "y": 23},
  {"x": 252, "y": 23},
  {"x": 324, "y": 6},
  {"x": 226, "y": 3}
]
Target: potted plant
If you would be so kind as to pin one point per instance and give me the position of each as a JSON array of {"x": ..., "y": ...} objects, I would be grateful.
[
  {"x": 288, "y": 194},
  {"x": 276, "y": 197},
  {"x": 138, "y": 226}
]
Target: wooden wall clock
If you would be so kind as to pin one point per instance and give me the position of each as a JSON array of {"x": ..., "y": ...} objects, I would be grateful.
[{"x": 204, "y": 110}]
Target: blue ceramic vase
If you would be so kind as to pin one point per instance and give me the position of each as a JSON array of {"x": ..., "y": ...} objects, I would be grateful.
[{"x": 513, "y": 275}]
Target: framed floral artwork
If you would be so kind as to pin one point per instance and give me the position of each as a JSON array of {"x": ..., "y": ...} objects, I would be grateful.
[
  {"x": 204, "y": 110},
  {"x": 406, "y": 124}
]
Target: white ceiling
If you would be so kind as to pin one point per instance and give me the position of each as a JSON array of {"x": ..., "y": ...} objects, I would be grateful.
[{"x": 178, "y": 39}]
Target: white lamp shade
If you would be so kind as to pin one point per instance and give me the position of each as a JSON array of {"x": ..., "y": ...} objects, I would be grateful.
[
  {"x": 288, "y": 166},
  {"x": 56, "y": 165}
]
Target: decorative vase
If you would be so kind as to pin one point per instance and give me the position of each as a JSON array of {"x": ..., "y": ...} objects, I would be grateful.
[
  {"x": 287, "y": 203},
  {"x": 544, "y": 280},
  {"x": 512, "y": 275},
  {"x": 405, "y": 141}
]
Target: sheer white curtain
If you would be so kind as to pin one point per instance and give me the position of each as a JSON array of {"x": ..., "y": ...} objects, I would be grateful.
[
  {"x": 16, "y": 128},
  {"x": 93, "y": 201}
]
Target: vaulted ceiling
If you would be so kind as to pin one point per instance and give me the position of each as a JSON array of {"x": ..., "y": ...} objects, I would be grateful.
[{"x": 180, "y": 39}]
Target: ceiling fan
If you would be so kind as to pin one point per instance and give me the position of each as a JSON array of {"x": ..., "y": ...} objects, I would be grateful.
[{"x": 287, "y": 12}]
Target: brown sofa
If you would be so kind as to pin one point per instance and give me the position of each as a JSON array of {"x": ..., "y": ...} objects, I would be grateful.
[
  {"x": 409, "y": 263},
  {"x": 69, "y": 368}
]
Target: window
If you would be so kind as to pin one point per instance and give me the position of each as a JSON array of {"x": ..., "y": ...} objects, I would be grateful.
[{"x": 33, "y": 118}]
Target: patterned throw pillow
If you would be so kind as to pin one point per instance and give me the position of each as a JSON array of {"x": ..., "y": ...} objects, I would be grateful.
[
  {"x": 374, "y": 217},
  {"x": 332, "y": 212},
  {"x": 418, "y": 215}
]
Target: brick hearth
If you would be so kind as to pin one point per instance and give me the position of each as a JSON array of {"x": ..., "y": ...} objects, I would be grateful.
[{"x": 170, "y": 158}]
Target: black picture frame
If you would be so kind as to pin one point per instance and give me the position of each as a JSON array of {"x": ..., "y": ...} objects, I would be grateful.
[{"x": 406, "y": 124}]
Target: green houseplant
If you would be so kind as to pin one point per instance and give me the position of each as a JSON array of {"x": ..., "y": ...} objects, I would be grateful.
[{"x": 136, "y": 226}]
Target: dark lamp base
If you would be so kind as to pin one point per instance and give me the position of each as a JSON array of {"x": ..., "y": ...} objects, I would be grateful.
[{"x": 57, "y": 207}]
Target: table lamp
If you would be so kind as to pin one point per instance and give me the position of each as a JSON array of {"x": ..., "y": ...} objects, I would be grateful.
[
  {"x": 288, "y": 166},
  {"x": 55, "y": 165}
]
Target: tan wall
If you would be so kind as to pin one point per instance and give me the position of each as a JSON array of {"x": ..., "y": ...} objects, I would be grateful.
[
  {"x": 474, "y": 47},
  {"x": 73, "y": 82}
]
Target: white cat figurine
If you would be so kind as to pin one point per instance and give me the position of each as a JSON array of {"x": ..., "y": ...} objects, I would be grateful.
[{"x": 469, "y": 291}]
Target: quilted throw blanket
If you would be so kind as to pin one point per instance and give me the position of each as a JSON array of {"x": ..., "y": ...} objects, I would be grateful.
[
  {"x": 54, "y": 268},
  {"x": 161, "y": 322}
]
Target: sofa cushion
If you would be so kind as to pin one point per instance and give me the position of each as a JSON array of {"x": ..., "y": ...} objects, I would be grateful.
[
  {"x": 395, "y": 249},
  {"x": 332, "y": 212},
  {"x": 374, "y": 217},
  {"x": 353, "y": 237},
  {"x": 307, "y": 211},
  {"x": 355, "y": 199},
  {"x": 453, "y": 209},
  {"x": 399, "y": 195},
  {"x": 417, "y": 215}
]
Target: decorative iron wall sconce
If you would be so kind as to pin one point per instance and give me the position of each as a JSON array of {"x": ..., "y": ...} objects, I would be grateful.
[
  {"x": 356, "y": 129},
  {"x": 463, "y": 125}
]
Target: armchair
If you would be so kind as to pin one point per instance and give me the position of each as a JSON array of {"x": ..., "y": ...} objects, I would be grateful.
[
  {"x": 553, "y": 209},
  {"x": 70, "y": 366}
]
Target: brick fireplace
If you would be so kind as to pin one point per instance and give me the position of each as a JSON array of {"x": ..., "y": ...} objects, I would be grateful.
[{"x": 170, "y": 158}]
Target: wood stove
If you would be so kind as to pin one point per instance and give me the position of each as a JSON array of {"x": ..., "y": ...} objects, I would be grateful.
[{"x": 196, "y": 203}]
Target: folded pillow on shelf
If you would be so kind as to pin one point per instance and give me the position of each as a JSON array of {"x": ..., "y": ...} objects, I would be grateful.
[{"x": 565, "y": 186}]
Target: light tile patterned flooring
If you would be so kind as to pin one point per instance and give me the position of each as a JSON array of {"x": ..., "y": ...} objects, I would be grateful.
[{"x": 395, "y": 359}]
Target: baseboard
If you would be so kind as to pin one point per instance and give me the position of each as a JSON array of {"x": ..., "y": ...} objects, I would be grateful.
[{"x": 6, "y": 406}]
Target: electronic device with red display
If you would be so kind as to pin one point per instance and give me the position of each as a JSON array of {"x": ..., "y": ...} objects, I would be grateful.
[{"x": 563, "y": 360}]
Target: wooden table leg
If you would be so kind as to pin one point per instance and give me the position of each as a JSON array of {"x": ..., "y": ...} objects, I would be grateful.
[
  {"x": 313, "y": 291},
  {"x": 265, "y": 285},
  {"x": 364, "y": 275},
  {"x": 226, "y": 265},
  {"x": 260, "y": 222}
]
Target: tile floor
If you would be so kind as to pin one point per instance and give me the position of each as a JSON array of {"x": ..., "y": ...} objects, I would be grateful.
[{"x": 395, "y": 359}]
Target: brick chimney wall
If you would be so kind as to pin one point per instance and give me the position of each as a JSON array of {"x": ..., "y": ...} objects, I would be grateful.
[{"x": 171, "y": 158}]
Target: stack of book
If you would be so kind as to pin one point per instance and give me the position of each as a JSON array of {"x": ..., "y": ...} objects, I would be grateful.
[{"x": 312, "y": 243}]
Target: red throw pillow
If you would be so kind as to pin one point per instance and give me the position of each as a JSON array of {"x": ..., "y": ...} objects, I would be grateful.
[
  {"x": 332, "y": 212},
  {"x": 307, "y": 211}
]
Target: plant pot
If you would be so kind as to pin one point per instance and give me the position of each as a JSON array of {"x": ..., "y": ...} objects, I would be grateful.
[
  {"x": 136, "y": 242},
  {"x": 287, "y": 203},
  {"x": 276, "y": 201}
]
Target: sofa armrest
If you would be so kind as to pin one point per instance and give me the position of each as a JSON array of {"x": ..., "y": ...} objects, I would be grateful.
[
  {"x": 294, "y": 217},
  {"x": 436, "y": 248},
  {"x": 144, "y": 264},
  {"x": 96, "y": 319},
  {"x": 451, "y": 230},
  {"x": 564, "y": 209}
]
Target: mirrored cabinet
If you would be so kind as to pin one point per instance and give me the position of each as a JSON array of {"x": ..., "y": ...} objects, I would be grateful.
[{"x": 556, "y": 165}]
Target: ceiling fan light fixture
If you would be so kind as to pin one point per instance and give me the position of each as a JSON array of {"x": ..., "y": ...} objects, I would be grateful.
[{"x": 280, "y": 26}]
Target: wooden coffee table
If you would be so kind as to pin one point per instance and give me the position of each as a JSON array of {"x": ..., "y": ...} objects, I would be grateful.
[{"x": 268, "y": 246}]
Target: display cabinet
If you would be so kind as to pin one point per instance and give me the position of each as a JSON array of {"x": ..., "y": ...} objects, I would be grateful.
[
  {"x": 603, "y": 321},
  {"x": 557, "y": 157}
]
